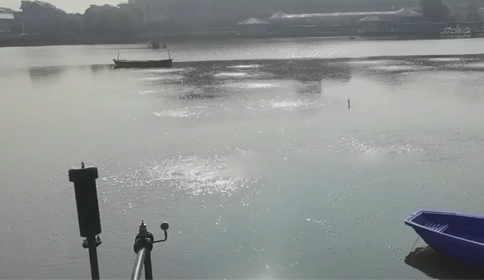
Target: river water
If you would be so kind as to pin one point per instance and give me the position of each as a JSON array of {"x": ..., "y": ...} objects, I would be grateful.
[{"x": 248, "y": 150}]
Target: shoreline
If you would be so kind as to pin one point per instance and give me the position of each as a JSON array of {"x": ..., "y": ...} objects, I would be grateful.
[{"x": 85, "y": 39}]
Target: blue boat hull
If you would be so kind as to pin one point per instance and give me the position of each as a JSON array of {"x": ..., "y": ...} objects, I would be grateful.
[{"x": 454, "y": 235}]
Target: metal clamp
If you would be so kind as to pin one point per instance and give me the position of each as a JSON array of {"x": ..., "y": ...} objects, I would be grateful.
[{"x": 96, "y": 243}]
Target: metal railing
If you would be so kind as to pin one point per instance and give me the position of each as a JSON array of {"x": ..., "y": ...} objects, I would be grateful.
[{"x": 84, "y": 179}]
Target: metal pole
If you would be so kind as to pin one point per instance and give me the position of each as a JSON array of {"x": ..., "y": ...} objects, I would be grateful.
[
  {"x": 148, "y": 268},
  {"x": 91, "y": 241},
  {"x": 138, "y": 264}
]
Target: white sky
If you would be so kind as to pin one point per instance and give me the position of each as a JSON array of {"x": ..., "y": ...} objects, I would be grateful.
[{"x": 70, "y": 6}]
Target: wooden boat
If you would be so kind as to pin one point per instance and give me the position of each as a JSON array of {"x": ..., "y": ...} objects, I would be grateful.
[
  {"x": 457, "y": 236},
  {"x": 166, "y": 63}
]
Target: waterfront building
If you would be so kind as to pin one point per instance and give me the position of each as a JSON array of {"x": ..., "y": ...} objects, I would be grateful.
[{"x": 6, "y": 20}]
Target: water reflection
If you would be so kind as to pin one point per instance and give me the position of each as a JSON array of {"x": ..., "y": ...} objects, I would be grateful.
[
  {"x": 309, "y": 88},
  {"x": 49, "y": 75},
  {"x": 310, "y": 70},
  {"x": 393, "y": 79},
  {"x": 201, "y": 93},
  {"x": 40, "y": 73},
  {"x": 437, "y": 266},
  {"x": 208, "y": 80},
  {"x": 96, "y": 68},
  {"x": 228, "y": 79},
  {"x": 235, "y": 79}
]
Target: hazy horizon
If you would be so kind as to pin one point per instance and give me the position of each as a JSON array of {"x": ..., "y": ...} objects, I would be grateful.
[{"x": 70, "y": 6}]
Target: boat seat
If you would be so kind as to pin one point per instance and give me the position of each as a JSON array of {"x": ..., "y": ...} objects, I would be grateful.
[{"x": 437, "y": 227}]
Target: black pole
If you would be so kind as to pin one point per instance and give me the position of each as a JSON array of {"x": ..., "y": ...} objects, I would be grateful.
[
  {"x": 92, "y": 245},
  {"x": 148, "y": 268},
  {"x": 84, "y": 179}
]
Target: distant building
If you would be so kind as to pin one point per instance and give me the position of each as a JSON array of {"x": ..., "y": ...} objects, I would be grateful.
[
  {"x": 175, "y": 15},
  {"x": 343, "y": 22},
  {"x": 6, "y": 19},
  {"x": 40, "y": 17},
  {"x": 374, "y": 24},
  {"x": 348, "y": 18}
]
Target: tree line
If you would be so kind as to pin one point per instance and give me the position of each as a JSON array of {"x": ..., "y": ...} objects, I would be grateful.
[{"x": 438, "y": 11}]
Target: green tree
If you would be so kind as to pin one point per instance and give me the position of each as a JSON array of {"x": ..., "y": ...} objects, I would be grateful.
[
  {"x": 112, "y": 20},
  {"x": 435, "y": 11},
  {"x": 473, "y": 7}
]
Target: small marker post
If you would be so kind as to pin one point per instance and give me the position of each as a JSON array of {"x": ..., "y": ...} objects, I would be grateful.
[{"x": 84, "y": 179}]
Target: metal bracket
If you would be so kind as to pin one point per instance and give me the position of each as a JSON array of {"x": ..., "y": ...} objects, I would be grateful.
[{"x": 97, "y": 242}]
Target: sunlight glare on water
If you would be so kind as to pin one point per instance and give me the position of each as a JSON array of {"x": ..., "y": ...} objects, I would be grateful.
[
  {"x": 194, "y": 175},
  {"x": 249, "y": 151}
]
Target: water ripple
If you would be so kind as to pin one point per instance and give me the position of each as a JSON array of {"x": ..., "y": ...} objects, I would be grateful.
[
  {"x": 194, "y": 175},
  {"x": 248, "y": 66},
  {"x": 181, "y": 113},
  {"x": 388, "y": 146},
  {"x": 287, "y": 105},
  {"x": 238, "y": 74}
]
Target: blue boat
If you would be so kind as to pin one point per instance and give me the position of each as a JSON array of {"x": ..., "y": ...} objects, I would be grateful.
[{"x": 457, "y": 236}]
